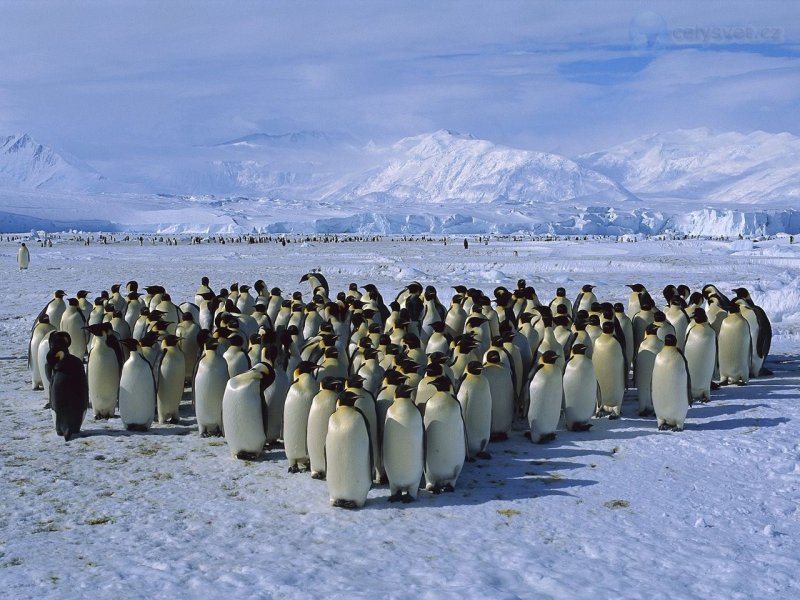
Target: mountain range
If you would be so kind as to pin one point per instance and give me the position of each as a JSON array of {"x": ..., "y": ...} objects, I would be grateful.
[{"x": 685, "y": 181}]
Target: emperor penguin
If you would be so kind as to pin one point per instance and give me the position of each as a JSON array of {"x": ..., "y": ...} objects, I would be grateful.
[
  {"x": 501, "y": 383},
  {"x": 74, "y": 323},
  {"x": 275, "y": 399},
  {"x": 546, "y": 396},
  {"x": 316, "y": 280},
  {"x": 643, "y": 369},
  {"x": 23, "y": 257},
  {"x": 764, "y": 340},
  {"x": 245, "y": 303},
  {"x": 244, "y": 411},
  {"x": 475, "y": 397},
  {"x": 236, "y": 357},
  {"x": 83, "y": 303},
  {"x": 208, "y": 387},
  {"x": 348, "y": 454},
  {"x": 456, "y": 317},
  {"x": 608, "y": 357},
  {"x": 561, "y": 299},
  {"x": 581, "y": 391},
  {"x": 756, "y": 359},
  {"x": 137, "y": 390},
  {"x": 634, "y": 299},
  {"x": 187, "y": 333},
  {"x": 171, "y": 374},
  {"x": 55, "y": 308},
  {"x": 41, "y": 331},
  {"x": 701, "y": 355},
  {"x": 734, "y": 344},
  {"x": 403, "y": 446},
  {"x": 670, "y": 387},
  {"x": 274, "y": 305},
  {"x": 323, "y": 405},
  {"x": 584, "y": 300},
  {"x": 69, "y": 391},
  {"x": 680, "y": 320},
  {"x": 202, "y": 291},
  {"x": 445, "y": 438},
  {"x": 439, "y": 340},
  {"x": 365, "y": 402},
  {"x": 627, "y": 331},
  {"x": 295, "y": 416},
  {"x": 103, "y": 370}
]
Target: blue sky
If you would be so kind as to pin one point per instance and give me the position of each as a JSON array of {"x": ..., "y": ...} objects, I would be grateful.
[{"x": 114, "y": 80}]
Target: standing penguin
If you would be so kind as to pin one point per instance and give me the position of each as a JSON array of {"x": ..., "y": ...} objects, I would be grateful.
[
  {"x": 403, "y": 445},
  {"x": 701, "y": 355},
  {"x": 74, "y": 323},
  {"x": 103, "y": 370},
  {"x": 348, "y": 455},
  {"x": 171, "y": 372},
  {"x": 23, "y": 257},
  {"x": 41, "y": 331},
  {"x": 643, "y": 369},
  {"x": 581, "y": 392},
  {"x": 546, "y": 394},
  {"x": 608, "y": 358},
  {"x": 670, "y": 387},
  {"x": 763, "y": 342},
  {"x": 137, "y": 390},
  {"x": 244, "y": 411},
  {"x": 323, "y": 406},
  {"x": 295, "y": 416},
  {"x": 208, "y": 386},
  {"x": 734, "y": 348},
  {"x": 475, "y": 397},
  {"x": 445, "y": 438},
  {"x": 69, "y": 391},
  {"x": 501, "y": 383}
]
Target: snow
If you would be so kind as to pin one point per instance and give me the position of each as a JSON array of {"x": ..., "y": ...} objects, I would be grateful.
[{"x": 620, "y": 511}]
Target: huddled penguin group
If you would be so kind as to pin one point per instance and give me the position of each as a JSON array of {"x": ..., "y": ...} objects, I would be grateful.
[{"x": 359, "y": 391}]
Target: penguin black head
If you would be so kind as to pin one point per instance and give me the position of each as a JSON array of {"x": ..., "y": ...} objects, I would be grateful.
[
  {"x": 170, "y": 340},
  {"x": 595, "y": 307},
  {"x": 130, "y": 344},
  {"x": 59, "y": 293},
  {"x": 331, "y": 352},
  {"x": 618, "y": 307},
  {"x": 475, "y": 367},
  {"x": 460, "y": 289},
  {"x": 408, "y": 366},
  {"x": 580, "y": 325},
  {"x": 437, "y": 357},
  {"x": 579, "y": 349},
  {"x": 72, "y": 302},
  {"x": 370, "y": 353},
  {"x": 561, "y": 309},
  {"x": 646, "y": 305},
  {"x": 434, "y": 369},
  {"x": 154, "y": 289},
  {"x": 476, "y": 321},
  {"x": 659, "y": 317},
  {"x": 669, "y": 292},
  {"x": 414, "y": 288},
  {"x": 353, "y": 287},
  {"x": 149, "y": 339},
  {"x": 276, "y": 291},
  {"x": 59, "y": 340},
  {"x": 442, "y": 384},
  {"x": 594, "y": 320},
  {"x": 44, "y": 318},
  {"x": 608, "y": 327},
  {"x": 652, "y": 329},
  {"x": 521, "y": 284},
  {"x": 741, "y": 292},
  {"x": 586, "y": 289},
  {"x": 636, "y": 287},
  {"x": 403, "y": 391},
  {"x": 255, "y": 339},
  {"x": 493, "y": 357},
  {"x": 696, "y": 298},
  {"x": 204, "y": 281},
  {"x": 561, "y": 292},
  {"x": 259, "y": 286},
  {"x": 700, "y": 316},
  {"x": 411, "y": 341},
  {"x": 98, "y": 328},
  {"x": 333, "y": 384},
  {"x": 394, "y": 377},
  {"x": 306, "y": 366},
  {"x": 115, "y": 288},
  {"x": 236, "y": 340},
  {"x": 525, "y": 317},
  {"x": 670, "y": 340},
  {"x": 84, "y": 293},
  {"x": 734, "y": 308},
  {"x": 347, "y": 398},
  {"x": 684, "y": 291},
  {"x": 549, "y": 357},
  {"x": 187, "y": 316}
]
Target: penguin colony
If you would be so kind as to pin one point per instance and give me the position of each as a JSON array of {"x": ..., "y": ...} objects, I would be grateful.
[{"x": 358, "y": 391}]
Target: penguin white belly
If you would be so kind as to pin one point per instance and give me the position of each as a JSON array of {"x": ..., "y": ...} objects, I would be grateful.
[
  {"x": 347, "y": 448},
  {"x": 366, "y": 405},
  {"x": 580, "y": 392},
  {"x": 476, "y": 406},
  {"x": 609, "y": 367},
  {"x": 295, "y": 426},
  {"x": 644, "y": 374},
  {"x": 73, "y": 323},
  {"x": 103, "y": 374},
  {"x": 170, "y": 386},
  {"x": 756, "y": 361},
  {"x": 242, "y": 416},
  {"x": 237, "y": 360},
  {"x": 546, "y": 390},
  {"x": 322, "y": 407},
  {"x": 137, "y": 393},
  {"x": 40, "y": 358},
  {"x": 209, "y": 388},
  {"x": 734, "y": 351},
  {"x": 700, "y": 353},
  {"x": 669, "y": 389},
  {"x": 403, "y": 447},
  {"x": 38, "y": 339},
  {"x": 445, "y": 444}
]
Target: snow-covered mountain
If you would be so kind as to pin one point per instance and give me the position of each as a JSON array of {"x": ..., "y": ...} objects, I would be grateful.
[
  {"x": 698, "y": 164},
  {"x": 445, "y": 167},
  {"x": 27, "y": 164}
]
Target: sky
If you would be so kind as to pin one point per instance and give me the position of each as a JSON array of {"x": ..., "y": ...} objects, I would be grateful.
[{"x": 119, "y": 80}]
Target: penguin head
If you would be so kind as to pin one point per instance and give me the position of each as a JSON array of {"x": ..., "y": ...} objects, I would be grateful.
[
  {"x": 130, "y": 343},
  {"x": 652, "y": 329},
  {"x": 81, "y": 294},
  {"x": 59, "y": 294},
  {"x": 579, "y": 349},
  {"x": 618, "y": 307},
  {"x": 204, "y": 281},
  {"x": 59, "y": 340},
  {"x": 594, "y": 320},
  {"x": 561, "y": 292},
  {"x": 696, "y": 298},
  {"x": 352, "y": 287},
  {"x": 493, "y": 357},
  {"x": 434, "y": 370},
  {"x": 475, "y": 367},
  {"x": 587, "y": 289},
  {"x": 305, "y": 367},
  {"x": 45, "y": 318},
  {"x": 608, "y": 327},
  {"x": 403, "y": 391},
  {"x": 734, "y": 308},
  {"x": 73, "y": 302},
  {"x": 521, "y": 284},
  {"x": 332, "y": 384},
  {"x": 347, "y": 398},
  {"x": 98, "y": 328},
  {"x": 684, "y": 291},
  {"x": 636, "y": 287},
  {"x": 331, "y": 352},
  {"x": 170, "y": 341},
  {"x": 670, "y": 340},
  {"x": 659, "y": 317},
  {"x": 700, "y": 316},
  {"x": 549, "y": 357},
  {"x": 442, "y": 384},
  {"x": 393, "y": 377},
  {"x": 741, "y": 293},
  {"x": 276, "y": 291}
]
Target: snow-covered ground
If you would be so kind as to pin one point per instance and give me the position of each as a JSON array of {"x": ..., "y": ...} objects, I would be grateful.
[{"x": 620, "y": 511}]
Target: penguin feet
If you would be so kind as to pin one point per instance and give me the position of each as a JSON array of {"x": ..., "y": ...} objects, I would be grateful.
[
  {"x": 647, "y": 412},
  {"x": 470, "y": 459},
  {"x": 317, "y": 475},
  {"x": 46, "y": 406},
  {"x": 500, "y": 436},
  {"x": 527, "y": 434},
  {"x": 547, "y": 438},
  {"x": 723, "y": 383},
  {"x": 407, "y": 498},
  {"x": 395, "y": 497},
  {"x": 344, "y": 504},
  {"x": 175, "y": 420},
  {"x": 664, "y": 427},
  {"x": 676, "y": 428},
  {"x": 613, "y": 416},
  {"x": 715, "y": 385},
  {"x": 243, "y": 455},
  {"x": 580, "y": 427},
  {"x": 741, "y": 383},
  {"x": 601, "y": 413},
  {"x": 448, "y": 487},
  {"x": 274, "y": 445},
  {"x": 765, "y": 372},
  {"x": 704, "y": 400},
  {"x": 137, "y": 427},
  {"x": 483, "y": 455},
  {"x": 294, "y": 469}
]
